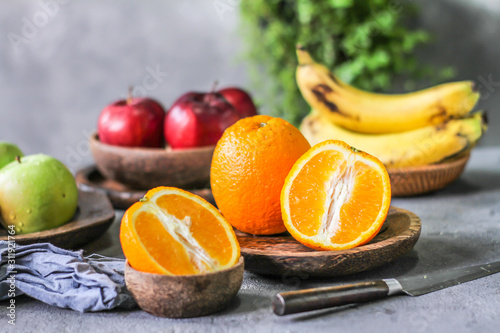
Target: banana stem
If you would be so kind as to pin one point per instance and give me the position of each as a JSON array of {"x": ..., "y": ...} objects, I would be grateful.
[{"x": 304, "y": 57}]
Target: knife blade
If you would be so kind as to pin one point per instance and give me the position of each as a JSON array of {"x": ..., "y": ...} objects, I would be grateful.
[{"x": 321, "y": 298}]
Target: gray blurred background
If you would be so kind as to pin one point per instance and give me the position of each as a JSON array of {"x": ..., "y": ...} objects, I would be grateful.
[{"x": 62, "y": 61}]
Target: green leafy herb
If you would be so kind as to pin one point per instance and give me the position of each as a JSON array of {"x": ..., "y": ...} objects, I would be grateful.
[{"x": 365, "y": 43}]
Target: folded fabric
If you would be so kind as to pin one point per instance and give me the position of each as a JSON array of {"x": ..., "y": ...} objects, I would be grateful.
[{"x": 63, "y": 278}]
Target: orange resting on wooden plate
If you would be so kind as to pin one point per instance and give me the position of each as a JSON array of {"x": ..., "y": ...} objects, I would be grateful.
[
  {"x": 249, "y": 166},
  {"x": 172, "y": 231},
  {"x": 335, "y": 197}
]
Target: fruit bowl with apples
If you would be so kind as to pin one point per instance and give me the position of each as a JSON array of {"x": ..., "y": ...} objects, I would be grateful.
[{"x": 140, "y": 145}]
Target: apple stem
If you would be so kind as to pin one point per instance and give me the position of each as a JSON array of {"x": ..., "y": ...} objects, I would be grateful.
[
  {"x": 129, "y": 94},
  {"x": 214, "y": 86},
  {"x": 18, "y": 159}
]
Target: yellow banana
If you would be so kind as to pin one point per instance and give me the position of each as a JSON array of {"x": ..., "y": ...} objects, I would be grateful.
[
  {"x": 367, "y": 112},
  {"x": 426, "y": 145}
]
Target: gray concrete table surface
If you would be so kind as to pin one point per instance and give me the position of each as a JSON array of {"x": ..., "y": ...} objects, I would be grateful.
[{"x": 460, "y": 227}]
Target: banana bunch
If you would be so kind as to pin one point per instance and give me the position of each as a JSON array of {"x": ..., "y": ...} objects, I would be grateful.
[
  {"x": 426, "y": 145},
  {"x": 419, "y": 128}
]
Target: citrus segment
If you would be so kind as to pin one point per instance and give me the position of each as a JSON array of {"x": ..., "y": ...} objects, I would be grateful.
[
  {"x": 148, "y": 226},
  {"x": 335, "y": 197},
  {"x": 172, "y": 231},
  {"x": 249, "y": 167}
]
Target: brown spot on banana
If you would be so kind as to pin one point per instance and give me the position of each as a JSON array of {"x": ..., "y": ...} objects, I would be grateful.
[
  {"x": 320, "y": 96},
  {"x": 474, "y": 87},
  {"x": 326, "y": 88},
  {"x": 440, "y": 116},
  {"x": 441, "y": 127},
  {"x": 311, "y": 126},
  {"x": 484, "y": 119}
]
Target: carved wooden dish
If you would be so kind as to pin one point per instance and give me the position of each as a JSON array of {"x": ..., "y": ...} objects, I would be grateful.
[
  {"x": 93, "y": 217},
  {"x": 91, "y": 180},
  {"x": 181, "y": 296},
  {"x": 282, "y": 255},
  {"x": 145, "y": 168},
  {"x": 419, "y": 180}
]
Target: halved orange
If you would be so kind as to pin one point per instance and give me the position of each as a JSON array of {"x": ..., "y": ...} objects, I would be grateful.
[
  {"x": 172, "y": 231},
  {"x": 335, "y": 197}
]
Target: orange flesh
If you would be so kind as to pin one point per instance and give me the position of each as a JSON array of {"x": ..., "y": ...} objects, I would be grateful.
[
  {"x": 364, "y": 205},
  {"x": 205, "y": 227},
  {"x": 310, "y": 200},
  {"x": 172, "y": 231},
  {"x": 168, "y": 252},
  {"x": 209, "y": 235}
]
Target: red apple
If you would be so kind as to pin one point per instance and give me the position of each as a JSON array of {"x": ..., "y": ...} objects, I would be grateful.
[
  {"x": 240, "y": 100},
  {"x": 134, "y": 122},
  {"x": 198, "y": 119}
]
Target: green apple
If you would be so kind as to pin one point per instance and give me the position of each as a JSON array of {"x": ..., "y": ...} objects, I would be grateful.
[
  {"x": 8, "y": 153},
  {"x": 36, "y": 193}
]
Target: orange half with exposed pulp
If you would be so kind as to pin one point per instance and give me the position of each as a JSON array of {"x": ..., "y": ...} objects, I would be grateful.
[
  {"x": 335, "y": 197},
  {"x": 172, "y": 231}
]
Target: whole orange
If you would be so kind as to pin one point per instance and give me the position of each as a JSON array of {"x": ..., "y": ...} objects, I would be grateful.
[{"x": 249, "y": 167}]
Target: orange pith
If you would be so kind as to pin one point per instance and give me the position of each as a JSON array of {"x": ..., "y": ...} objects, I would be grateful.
[
  {"x": 335, "y": 197},
  {"x": 172, "y": 231},
  {"x": 249, "y": 167}
]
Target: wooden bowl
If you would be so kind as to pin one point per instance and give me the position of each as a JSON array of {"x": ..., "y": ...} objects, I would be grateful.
[
  {"x": 423, "y": 179},
  {"x": 183, "y": 296},
  {"x": 145, "y": 168}
]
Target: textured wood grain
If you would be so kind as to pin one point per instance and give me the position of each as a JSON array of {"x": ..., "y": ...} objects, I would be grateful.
[
  {"x": 91, "y": 180},
  {"x": 181, "y": 296},
  {"x": 419, "y": 180},
  {"x": 283, "y": 256},
  {"x": 93, "y": 217},
  {"x": 145, "y": 168}
]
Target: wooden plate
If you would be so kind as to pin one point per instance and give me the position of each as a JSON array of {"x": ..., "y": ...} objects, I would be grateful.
[
  {"x": 93, "y": 217},
  {"x": 424, "y": 179},
  {"x": 122, "y": 197},
  {"x": 282, "y": 255}
]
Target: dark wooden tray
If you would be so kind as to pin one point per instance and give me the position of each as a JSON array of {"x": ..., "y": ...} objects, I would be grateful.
[
  {"x": 93, "y": 217},
  {"x": 282, "y": 255},
  {"x": 121, "y": 196}
]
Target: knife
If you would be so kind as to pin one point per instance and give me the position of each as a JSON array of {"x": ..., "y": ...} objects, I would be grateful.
[{"x": 326, "y": 297}]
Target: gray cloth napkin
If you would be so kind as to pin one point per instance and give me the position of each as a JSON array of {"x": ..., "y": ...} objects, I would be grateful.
[{"x": 64, "y": 278}]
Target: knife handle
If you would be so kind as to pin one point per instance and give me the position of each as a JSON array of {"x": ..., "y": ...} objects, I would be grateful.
[{"x": 326, "y": 297}]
